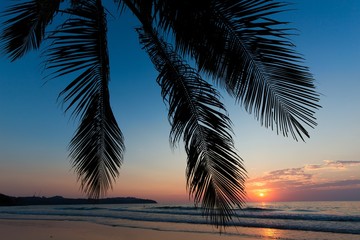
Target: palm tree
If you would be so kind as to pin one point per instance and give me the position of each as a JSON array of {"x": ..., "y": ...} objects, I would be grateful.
[{"x": 235, "y": 44}]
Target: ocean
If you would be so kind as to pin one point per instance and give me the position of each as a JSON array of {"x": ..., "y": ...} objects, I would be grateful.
[{"x": 283, "y": 220}]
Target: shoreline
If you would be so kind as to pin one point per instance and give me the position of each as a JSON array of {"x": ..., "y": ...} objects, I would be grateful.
[{"x": 75, "y": 229}]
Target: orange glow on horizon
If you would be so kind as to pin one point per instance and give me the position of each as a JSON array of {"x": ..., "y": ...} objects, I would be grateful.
[{"x": 260, "y": 195}]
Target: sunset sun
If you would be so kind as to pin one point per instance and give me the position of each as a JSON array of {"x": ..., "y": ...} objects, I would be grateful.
[{"x": 261, "y": 195}]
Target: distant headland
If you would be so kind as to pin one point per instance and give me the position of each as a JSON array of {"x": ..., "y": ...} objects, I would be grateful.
[{"x": 59, "y": 200}]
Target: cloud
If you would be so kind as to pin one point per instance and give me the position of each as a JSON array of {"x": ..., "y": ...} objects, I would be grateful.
[
  {"x": 282, "y": 178},
  {"x": 328, "y": 164},
  {"x": 304, "y": 183},
  {"x": 338, "y": 184}
]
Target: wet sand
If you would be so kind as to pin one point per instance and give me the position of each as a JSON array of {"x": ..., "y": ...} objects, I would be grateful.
[{"x": 77, "y": 230}]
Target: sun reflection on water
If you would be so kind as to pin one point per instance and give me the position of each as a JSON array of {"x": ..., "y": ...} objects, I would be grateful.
[{"x": 271, "y": 233}]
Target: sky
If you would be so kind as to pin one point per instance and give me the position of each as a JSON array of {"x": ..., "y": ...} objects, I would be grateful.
[{"x": 34, "y": 131}]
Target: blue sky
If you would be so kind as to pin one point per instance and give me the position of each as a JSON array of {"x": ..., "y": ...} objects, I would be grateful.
[{"x": 34, "y": 132}]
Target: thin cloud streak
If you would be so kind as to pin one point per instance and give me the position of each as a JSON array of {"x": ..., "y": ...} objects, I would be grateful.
[{"x": 332, "y": 165}]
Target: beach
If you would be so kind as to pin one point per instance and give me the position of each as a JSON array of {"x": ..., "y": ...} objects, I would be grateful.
[{"x": 76, "y": 230}]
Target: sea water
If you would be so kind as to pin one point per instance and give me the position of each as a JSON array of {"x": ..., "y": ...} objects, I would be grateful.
[{"x": 285, "y": 220}]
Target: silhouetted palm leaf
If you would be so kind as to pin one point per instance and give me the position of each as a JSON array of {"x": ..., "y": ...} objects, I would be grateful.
[
  {"x": 215, "y": 173},
  {"x": 80, "y": 46},
  {"x": 97, "y": 147},
  {"x": 26, "y": 29},
  {"x": 247, "y": 52}
]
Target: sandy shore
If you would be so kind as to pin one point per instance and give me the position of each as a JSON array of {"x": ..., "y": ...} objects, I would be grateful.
[{"x": 75, "y": 230}]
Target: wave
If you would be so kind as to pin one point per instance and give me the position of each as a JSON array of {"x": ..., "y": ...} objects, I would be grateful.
[
  {"x": 250, "y": 212},
  {"x": 81, "y": 208},
  {"x": 248, "y": 217},
  {"x": 256, "y": 209},
  {"x": 191, "y": 208},
  {"x": 303, "y": 210},
  {"x": 182, "y": 208},
  {"x": 300, "y": 217}
]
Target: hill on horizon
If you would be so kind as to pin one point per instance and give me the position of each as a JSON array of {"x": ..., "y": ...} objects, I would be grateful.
[{"x": 6, "y": 200}]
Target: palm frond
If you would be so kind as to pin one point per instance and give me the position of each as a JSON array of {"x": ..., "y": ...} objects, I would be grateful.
[
  {"x": 25, "y": 29},
  {"x": 80, "y": 47},
  {"x": 239, "y": 44},
  {"x": 97, "y": 147},
  {"x": 215, "y": 173}
]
